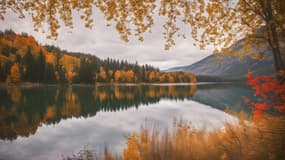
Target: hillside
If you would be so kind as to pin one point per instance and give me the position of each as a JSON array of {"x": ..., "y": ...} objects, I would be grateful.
[
  {"x": 23, "y": 59},
  {"x": 232, "y": 67}
]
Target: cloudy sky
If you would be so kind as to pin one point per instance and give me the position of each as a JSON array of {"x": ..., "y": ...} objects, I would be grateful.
[{"x": 105, "y": 42}]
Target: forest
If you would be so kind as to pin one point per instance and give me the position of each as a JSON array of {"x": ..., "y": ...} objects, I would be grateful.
[
  {"x": 23, "y": 59},
  {"x": 243, "y": 120}
]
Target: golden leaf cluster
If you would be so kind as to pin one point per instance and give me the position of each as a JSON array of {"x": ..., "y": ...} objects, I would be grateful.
[{"x": 216, "y": 22}]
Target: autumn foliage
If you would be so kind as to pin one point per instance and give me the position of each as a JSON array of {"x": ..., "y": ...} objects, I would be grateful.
[
  {"x": 58, "y": 103},
  {"x": 243, "y": 141},
  {"x": 132, "y": 151},
  {"x": 15, "y": 74},
  {"x": 218, "y": 22},
  {"x": 23, "y": 59},
  {"x": 270, "y": 92}
]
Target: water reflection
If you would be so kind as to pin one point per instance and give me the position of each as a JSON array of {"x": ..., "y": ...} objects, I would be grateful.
[
  {"x": 24, "y": 109},
  {"x": 225, "y": 96},
  {"x": 262, "y": 140}
]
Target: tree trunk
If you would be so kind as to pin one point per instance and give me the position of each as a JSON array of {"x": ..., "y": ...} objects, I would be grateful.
[{"x": 273, "y": 37}]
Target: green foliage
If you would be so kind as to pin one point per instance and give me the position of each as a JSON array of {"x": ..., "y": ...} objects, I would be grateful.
[
  {"x": 218, "y": 23},
  {"x": 29, "y": 70},
  {"x": 41, "y": 67},
  {"x": 4, "y": 71},
  {"x": 50, "y": 64},
  {"x": 49, "y": 76}
]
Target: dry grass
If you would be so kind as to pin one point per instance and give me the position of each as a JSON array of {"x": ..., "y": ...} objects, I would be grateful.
[{"x": 248, "y": 140}]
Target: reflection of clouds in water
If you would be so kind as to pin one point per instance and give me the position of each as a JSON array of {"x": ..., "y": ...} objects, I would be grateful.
[{"x": 108, "y": 128}]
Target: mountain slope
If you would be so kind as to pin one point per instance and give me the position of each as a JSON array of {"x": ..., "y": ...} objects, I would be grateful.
[{"x": 231, "y": 66}]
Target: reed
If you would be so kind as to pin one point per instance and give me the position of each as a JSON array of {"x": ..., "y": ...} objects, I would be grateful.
[{"x": 262, "y": 139}]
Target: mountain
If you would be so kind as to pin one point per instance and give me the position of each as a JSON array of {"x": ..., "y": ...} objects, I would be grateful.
[{"x": 231, "y": 67}]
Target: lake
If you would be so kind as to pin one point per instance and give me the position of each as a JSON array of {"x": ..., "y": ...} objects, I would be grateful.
[{"x": 49, "y": 122}]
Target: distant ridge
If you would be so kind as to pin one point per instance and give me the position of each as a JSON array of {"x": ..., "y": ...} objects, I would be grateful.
[{"x": 231, "y": 68}]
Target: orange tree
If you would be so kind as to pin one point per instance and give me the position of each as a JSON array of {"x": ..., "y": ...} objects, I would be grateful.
[
  {"x": 270, "y": 93},
  {"x": 217, "y": 22}
]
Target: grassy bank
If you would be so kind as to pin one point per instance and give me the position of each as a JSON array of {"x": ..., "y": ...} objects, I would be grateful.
[{"x": 263, "y": 140}]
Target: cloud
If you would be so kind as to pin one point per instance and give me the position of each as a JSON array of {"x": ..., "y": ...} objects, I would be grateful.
[{"x": 105, "y": 42}]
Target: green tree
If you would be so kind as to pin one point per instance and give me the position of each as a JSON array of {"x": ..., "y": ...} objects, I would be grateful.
[
  {"x": 30, "y": 67},
  {"x": 41, "y": 68},
  {"x": 60, "y": 70},
  {"x": 219, "y": 22},
  {"x": 5, "y": 70},
  {"x": 49, "y": 76},
  {"x": 86, "y": 72},
  {"x": 6, "y": 50}
]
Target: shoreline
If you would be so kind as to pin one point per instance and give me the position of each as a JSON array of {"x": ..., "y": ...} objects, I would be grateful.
[
  {"x": 32, "y": 84},
  {"x": 27, "y": 84}
]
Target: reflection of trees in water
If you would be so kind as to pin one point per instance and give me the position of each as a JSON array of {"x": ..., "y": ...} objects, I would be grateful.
[
  {"x": 23, "y": 110},
  {"x": 222, "y": 96}
]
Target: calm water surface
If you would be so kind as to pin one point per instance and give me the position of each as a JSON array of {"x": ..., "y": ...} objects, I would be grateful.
[{"x": 48, "y": 122}]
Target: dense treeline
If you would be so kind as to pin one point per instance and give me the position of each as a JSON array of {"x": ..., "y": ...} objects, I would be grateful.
[{"x": 22, "y": 59}]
